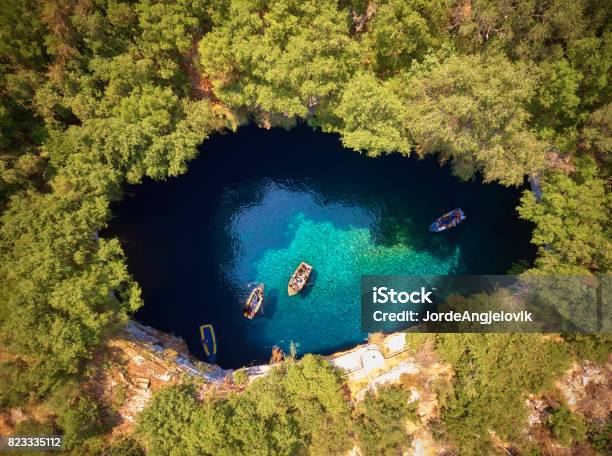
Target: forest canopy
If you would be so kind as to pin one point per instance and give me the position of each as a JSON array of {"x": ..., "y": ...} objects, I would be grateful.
[{"x": 99, "y": 93}]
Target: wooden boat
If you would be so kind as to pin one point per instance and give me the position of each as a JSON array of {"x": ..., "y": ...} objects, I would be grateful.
[
  {"x": 299, "y": 278},
  {"x": 254, "y": 302},
  {"x": 209, "y": 342},
  {"x": 447, "y": 221}
]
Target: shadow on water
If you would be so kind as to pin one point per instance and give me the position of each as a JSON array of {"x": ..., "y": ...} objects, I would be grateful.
[
  {"x": 270, "y": 303},
  {"x": 307, "y": 290},
  {"x": 257, "y": 202}
]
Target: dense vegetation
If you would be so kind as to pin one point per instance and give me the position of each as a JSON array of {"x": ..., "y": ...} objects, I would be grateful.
[
  {"x": 380, "y": 423},
  {"x": 494, "y": 374},
  {"x": 97, "y": 93},
  {"x": 566, "y": 426},
  {"x": 297, "y": 409}
]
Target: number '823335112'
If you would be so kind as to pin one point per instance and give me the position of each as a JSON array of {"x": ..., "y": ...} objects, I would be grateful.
[{"x": 51, "y": 443}]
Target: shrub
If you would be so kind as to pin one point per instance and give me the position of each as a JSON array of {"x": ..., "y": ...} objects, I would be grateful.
[
  {"x": 33, "y": 427},
  {"x": 126, "y": 446},
  {"x": 594, "y": 347},
  {"x": 493, "y": 375},
  {"x": 78, "y": 416},
  {"x": 14, "y": 389},
  {"x": 240, "y": 377},
  {"x": 380, "y": 421},
  {"x": 601, "y": 437},
  {"x": 416, "y": 340},
  {"x": 567, "y": 427},
  {"x": 167, "y": 420},
  {"x": 298, "y": 408}
]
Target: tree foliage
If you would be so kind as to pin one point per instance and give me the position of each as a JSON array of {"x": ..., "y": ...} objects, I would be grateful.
[
  {"x": 493, "y": 375},
  {"x": 402, "y": 32},
  {"x": 296, "y": 409},
  {"x": 98, "y": 93},
  {"x": 380, "y": 421},
  {"x": 62, "y": 285},
  {"x": 592, "y": 347},
  {"x": 373, "y": 117},
  {"x": 572, "y": 221},
  {"x": 97, "y": 97},
  {"x": 286, "y": 57},
  {"x": 14, "y": 391},
  {"x": 165, "y": 435},
  {"x": 78, "y": 416},
  {"x": 472, "y": 110},
  {"x": 527, "y": 30},
  {"x": 567, "y": 427}
]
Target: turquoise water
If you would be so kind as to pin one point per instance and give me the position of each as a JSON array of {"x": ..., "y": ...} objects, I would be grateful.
[
  {"x": 330, "y": 306},
  {"x": 258, "y": 202}
]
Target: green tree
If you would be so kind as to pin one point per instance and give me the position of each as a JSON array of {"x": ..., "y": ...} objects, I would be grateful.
[
  {"x": 593, "y": 347},
  {"x": 150, "y": 133},
  {"x": 472, "y": 110},
  {"x": 79, "y": 416},
  {"x": 566, "y": 426},
  {"x": 21, "y": 34},
  {"x": 572, "y": 224},
  {"x": 240, "y": 377},
  {"x": 287, "y": 56},
  {"x": 63, "y": 288},
  {"x": 380, "y": 421},
  {"x": 168, "y": 30},
  {"x": 401, "y": 32},
  {"x": 14, "y": 390},
  {"x": 597, "y": 137},
  {"x": 493, "y": 375},
  {"x": 592, "y": 56},
  {"x": 298, "y": 408},
  {"x": 22, "y": 60},
  {"x": 526, "y": 30},
  {"x": 373, "y": 117},
  {"x": 600, "y": 437},
  {"x": 167, "y": 420},
  {"x": 555, "y": 106},
  {"x": 126, "y": 446}
]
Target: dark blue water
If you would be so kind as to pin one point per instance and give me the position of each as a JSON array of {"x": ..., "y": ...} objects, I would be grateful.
[{"x": 256, "y": 203}]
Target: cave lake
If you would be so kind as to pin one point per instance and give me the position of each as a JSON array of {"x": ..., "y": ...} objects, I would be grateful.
[{"x": 257, "y": 202}]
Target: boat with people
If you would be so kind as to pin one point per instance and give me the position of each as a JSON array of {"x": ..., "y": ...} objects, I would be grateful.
[
  {"x": 209, "y": 342},
  {"x": 254, "y": 302},
  {"x": 299, "y": 278},
  {"x": 447, "y": 221}
]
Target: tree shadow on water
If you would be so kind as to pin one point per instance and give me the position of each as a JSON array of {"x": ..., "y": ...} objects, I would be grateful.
[
  {"x": 393, "y": 231},
  {"x": 312, "y": 280}
]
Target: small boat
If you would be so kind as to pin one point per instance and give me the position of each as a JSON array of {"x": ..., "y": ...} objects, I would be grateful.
[
  {"x": 449, "y": 220},
  {"x": 299, "y": 278},
  {"x": 209, "y": 341},
  {"x": 254, "y": 302}
]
